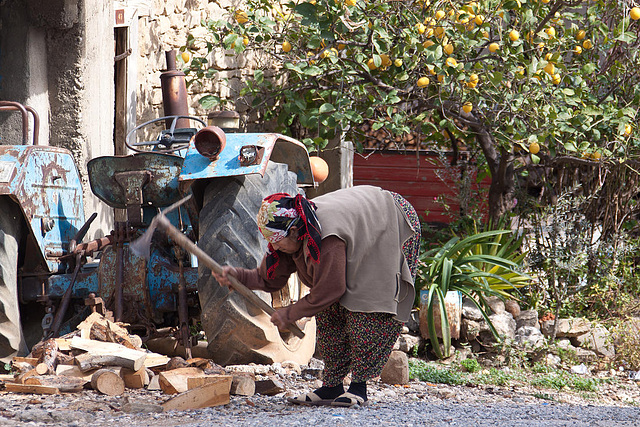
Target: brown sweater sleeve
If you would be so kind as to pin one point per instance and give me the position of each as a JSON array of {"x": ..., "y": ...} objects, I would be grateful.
[
  {"x": 256, "y": 278},
  {"x": 327, "y": 280}
]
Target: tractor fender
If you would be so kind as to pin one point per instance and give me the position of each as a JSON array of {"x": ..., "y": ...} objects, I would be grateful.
[
  {"x": 44, "y": 182},
  {"x": 270, "y": 146}
]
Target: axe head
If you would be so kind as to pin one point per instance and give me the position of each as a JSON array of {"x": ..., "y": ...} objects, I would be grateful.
[{"x": 142, "y": 245}]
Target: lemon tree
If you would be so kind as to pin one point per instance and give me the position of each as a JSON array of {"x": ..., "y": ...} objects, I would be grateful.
[{"x": 499, "y": 75}]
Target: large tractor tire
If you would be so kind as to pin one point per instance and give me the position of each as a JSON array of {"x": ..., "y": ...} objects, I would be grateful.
[
  {"x": 12, "y": 342},
  {"x": 237, "y": 331}
]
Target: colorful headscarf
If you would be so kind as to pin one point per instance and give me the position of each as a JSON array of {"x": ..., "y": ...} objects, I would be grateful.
[{"x": 281, "y": 211}]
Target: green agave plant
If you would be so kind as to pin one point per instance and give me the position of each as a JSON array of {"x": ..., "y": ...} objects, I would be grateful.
[{"x": 484, "y": 264}]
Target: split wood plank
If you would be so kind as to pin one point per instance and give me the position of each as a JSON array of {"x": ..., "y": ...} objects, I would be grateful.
[
  {"x": 195, "y": 382},
  {"x": 135, "y": 379},
  {"x": 212, "y": 394},
  {"x": 64, "y": 384},
  {"x": 30, "y": 389},
  {"x": 106, "y": 354},
  {"x": 73, "y": 371},
  {"x": 7, "y": 378},
  {"x": 102, "y": 329},
  {"x": 175, "y": 381}
]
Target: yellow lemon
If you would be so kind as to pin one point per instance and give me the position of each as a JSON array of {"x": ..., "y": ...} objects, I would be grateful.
[
  {"x": 493, "y": 47},
  {"x": 421, "y": 28},
  {"x": 534, "y": 148},
  {"x": 635, "y": 13},
  {"x": 428, "y": 43},
  {"x": 429, "y": 32},
  {"x": 439, "y": 32},
  {"x": 548, "y": 56},
  {"x": 245, "y": 40},
  {"x": 545, "y": 1},
  {"x": 577, "y": 50},
  {"x": 341, "y": 46},
  {"x": 431, "y": 69},
  {"x": 514, "y": 35},
  {"x": 587, "y": 44},
  {"x": 520, "y": 70},
  {"x": 556, "y": 79},
  {"x": 440, "y": 78},
  {"x": 540, "y": 46},
  {"x": 580, "y": 35},
  {"x": 440, "y": 14},
  {"x": 596, "y": 155},
  {"x": 286, "y": 46},
  {"x": 479, "y": 19},
  {"x": 423, "y": 81},
  {"x": 371, "y": 64},
  {"x": 386, "y": 61},
  {"x": 185, "y": 56},
  {"x": 550, "y": 68},
  {"x": 467, "y": 107},
  {"x": 551, "y": 32},
  {"x": 448, "y": 48},
  {"x": 451, "y": 62},
  {"x": 241, "y": 16},
  {"x": 398, "y": 62},
  {"x": 474, "y": 78},
  {"x": 350, "y": 2},
  {"x": 485, "y": 34},
  {"x": 472, "y": 85},
  {"x": 627, "y": 129}
]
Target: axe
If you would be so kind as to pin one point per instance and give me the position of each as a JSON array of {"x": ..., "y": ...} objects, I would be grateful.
[{"x": 142, "y": 245}]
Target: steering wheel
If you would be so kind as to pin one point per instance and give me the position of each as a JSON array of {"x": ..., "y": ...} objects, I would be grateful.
[{"x": 171, "y": 139}]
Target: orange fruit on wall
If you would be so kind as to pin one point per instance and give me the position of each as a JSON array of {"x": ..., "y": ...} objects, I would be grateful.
[{"x": 319, "y": 168}]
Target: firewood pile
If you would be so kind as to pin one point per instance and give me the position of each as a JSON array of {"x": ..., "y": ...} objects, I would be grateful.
[
  {"x": 102, "y": 355},
  {"x": 382, "y": 139}
]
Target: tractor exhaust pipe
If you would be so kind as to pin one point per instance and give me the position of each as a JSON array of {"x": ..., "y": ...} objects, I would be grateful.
[{"x": 174, "y": 92}]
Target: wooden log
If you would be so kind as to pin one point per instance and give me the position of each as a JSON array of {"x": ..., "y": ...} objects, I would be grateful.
[
  {"x": 21, "y": 367},
  {"x": 211, "y": 394},
  {"x": 73, "y": 371},
  {"x": 269, "y": 387},
  {"x": 30, "y": 389},
  {"x": 64, "y": 384},
  {"x": 20, "y": 379},
  {"x": 135, "y": 379},
  {"x": 175, "y": 381},
  {"x": 101, "y": 354},
  {"x": 107, "y": 382},
  {"x": 243, "y": 385},
  {"x": 195, "y": 382},
  {"x": 97, "y": 327}
]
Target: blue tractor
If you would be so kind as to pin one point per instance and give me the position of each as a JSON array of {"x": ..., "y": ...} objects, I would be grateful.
[{"x": 50, "y": 278}]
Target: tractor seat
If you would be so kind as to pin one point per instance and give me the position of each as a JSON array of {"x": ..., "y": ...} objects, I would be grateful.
[{"x": 159, "y": 182}]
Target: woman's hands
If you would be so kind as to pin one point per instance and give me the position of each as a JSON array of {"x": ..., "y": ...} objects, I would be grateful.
[
  {"x": 278, "y": 318},
  {"x": 223, "y": 277}
]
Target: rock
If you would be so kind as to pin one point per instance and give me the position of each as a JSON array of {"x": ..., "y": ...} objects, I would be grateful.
[
  {"x": 314, "y": 368},
  {"x": 406, "y": 343},
  {"x": 597, "y": 339},
  {"x": 396, "y": 370},
  {"x": 269, "y": 387},
  {"x": 292, "y": 367},
  {"x": 496, "y": 304},
  {"x": 470, "y": 311},
  {"x": 505, "y": 326},
  {"x": 527, "y": 318},
  {"x": 141, "y": 408},
  {"x": 469, "y": 330},
  {"x": 580, "y": 369},
  {"x": 552, "y": 360},
  {"x": 586, "y": 356},
  {"x": 565, "y": 344},
  {"x": 566, "y": 327},
  {"x": 528, "y": 336},
  {"x": 512, "y": 306}
]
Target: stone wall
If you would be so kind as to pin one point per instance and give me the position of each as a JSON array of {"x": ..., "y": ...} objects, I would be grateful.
[{"x": 165, "y": 27}]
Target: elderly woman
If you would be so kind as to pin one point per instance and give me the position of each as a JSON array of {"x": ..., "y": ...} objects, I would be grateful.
[{"x": 356, "y": 249}]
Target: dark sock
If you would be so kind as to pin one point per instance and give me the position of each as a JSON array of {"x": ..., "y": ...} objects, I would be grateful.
[
  {"x": 359, "y": 389},
  {"x": 325, "y": 392}
]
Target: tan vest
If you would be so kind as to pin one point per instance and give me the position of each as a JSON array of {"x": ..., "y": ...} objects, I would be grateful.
[{"x": 374, "y": 229}]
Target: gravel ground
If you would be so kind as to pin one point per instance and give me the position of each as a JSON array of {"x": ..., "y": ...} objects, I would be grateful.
[{"x": 418, "y": 403}]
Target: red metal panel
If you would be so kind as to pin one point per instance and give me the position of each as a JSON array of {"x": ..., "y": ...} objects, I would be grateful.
[{"x": 422, "y": 178}]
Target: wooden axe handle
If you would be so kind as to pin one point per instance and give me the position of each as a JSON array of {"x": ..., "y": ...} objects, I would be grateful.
[{"x": 205, "y": 259}]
